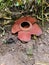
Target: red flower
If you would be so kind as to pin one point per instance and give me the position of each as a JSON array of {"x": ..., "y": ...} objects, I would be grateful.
[{"x": 26, "y": 27}]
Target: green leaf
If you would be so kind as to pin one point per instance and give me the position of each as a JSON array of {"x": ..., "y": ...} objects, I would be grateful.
[
  {"x": 27, "y": 1},
  {"x": 38, "y": 1},
  {"x": 1, "y": 0},
  {"x": 17, "y": 4}
]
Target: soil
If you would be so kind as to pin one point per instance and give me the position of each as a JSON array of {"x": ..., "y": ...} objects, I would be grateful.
[{"x": 35, "y": 52}]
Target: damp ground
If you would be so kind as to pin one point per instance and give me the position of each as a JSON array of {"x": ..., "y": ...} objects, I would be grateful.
[{"x": 15, "y": 52}]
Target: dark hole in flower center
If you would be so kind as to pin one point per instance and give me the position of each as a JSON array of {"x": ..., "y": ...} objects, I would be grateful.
[{"x": 25, "y": 25}]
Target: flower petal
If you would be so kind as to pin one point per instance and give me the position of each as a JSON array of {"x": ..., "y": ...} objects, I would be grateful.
[
  {"x": 24, "y": 36},
  {"x": 15, "y": 28},
  {"x": 26, "y": 18},
  {"x": 31, "y": 19},
  {"x": 20, "y": 20},
  {"x": 16, "y": 25},
  {"x": 36, "y": 30}
]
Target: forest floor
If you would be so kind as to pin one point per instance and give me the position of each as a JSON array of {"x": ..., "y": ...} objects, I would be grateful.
[{"x": 35, "y": 52}]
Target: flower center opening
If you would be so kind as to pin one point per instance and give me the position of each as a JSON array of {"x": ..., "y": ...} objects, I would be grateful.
[{"x": 25, "y": 25}]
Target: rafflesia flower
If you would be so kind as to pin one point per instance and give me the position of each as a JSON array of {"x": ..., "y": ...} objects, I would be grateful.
[{"x": 25, "y": 27}]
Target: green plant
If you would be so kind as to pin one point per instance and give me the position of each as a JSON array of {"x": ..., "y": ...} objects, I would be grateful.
[
  {"x": 42, "y": 14},
  {"x": 5, "y": 4},
  {"x": 41, "y": 3},
  {"x": 38, "y": 1},
  {"x": 36, "y": 7}
]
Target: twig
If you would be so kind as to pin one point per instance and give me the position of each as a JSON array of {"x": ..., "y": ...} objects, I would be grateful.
[{"x": 46, "y": 3}]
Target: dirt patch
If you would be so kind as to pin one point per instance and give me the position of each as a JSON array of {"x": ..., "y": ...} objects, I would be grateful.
[{"x": 35, "y": 52}]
